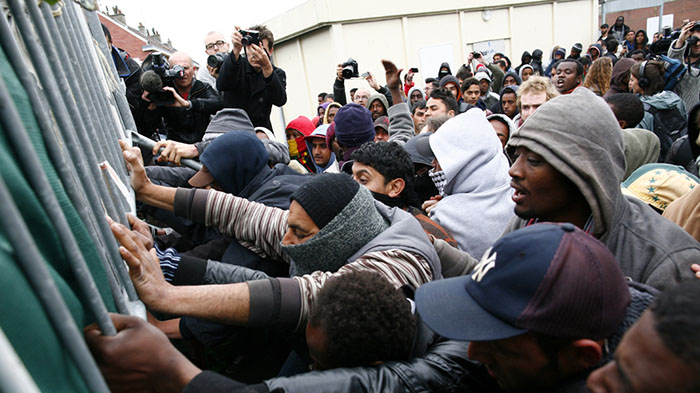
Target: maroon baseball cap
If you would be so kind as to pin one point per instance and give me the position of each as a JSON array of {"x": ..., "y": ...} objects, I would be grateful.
[{"x": 552, "y": 279}]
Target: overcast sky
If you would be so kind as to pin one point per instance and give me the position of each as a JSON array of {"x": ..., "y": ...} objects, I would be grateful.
[{"x": 187, "y": 22}]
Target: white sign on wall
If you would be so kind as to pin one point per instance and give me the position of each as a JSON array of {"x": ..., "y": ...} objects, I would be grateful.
[
  {"x": 653, "y": 24},
  {"x": 489, "y": 48}
]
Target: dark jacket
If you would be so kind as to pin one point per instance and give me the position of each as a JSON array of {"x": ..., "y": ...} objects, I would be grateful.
[
  {"x": 245, "y": 88},
  {"x": 444, "y": 368},
  {"x": 185, "y": 125},
  {"x": 339, "y": 92}
]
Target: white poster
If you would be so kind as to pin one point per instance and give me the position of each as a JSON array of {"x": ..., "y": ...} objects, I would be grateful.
[
  {"x": 653, "y": 24},
  {"x": 432, "y": 56},
  {"x": 489, "y": 48}
]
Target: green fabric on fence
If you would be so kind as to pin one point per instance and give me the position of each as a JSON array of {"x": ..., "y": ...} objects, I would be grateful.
[
  {"x": 28, "y": 328},
  {"x": 45, "y": 234}
]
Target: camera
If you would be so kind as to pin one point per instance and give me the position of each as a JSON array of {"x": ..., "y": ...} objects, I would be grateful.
[
  {"x": 216, "y": 60},
  {"x": 158, "y": 73},
  {"x": 476, "y": 54},
  {"x": 250, "y": 37},
  {"x": 693, "y": 40},
  {"x": 350, "y": 69}
]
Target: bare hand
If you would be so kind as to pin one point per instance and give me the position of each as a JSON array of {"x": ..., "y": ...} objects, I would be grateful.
[
  {"x": 685, "y": 33},
  {"x": 430, "y": 204},
  {"x": 174, "y": 151},
  {"x": 146, "y": 97},
  {"x": 134, "y": 162},
  {"x": 214, "y": 72},
  {"x": 144, "y": 268},
  {"x": 372, "y": 82},
  {"x": 259, "y": 59},
  {"x": 393, "y": 80},
  {"x": 179, "y": 101},
  {"x": 339, "y": 72},
  {"x": 696, "y": 268},
  {"x": 236, "y": 38},
  {"x": 142, "y": 230},
  {"x": 409, "y": 76},
  {"x": 139, "y": 358}
]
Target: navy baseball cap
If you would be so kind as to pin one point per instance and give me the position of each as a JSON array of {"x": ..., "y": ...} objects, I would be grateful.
[{"x": 552, "y": 279}]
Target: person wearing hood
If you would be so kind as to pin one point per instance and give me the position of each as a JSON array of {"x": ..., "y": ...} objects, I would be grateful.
[
  {"x": 296, "y": 131},
  {"x": 414, "y": 94},
  {"x": 647, "y": 80},
  {"x": 451, "y": 83},
  {"x": 641, "y": 41},
  {"x": 619, "y": 81},
  {"x": 377, "y": 105},
  {"x": 470, "y": 172},
  {"x": 558, "y": 53},
  {"x": 641, "y": 146},
  {"x": 444, "y": 70},
  {"x": 323, "y": 156},
  {"x": 511, "y": 78},
  {"x": 321, "y": 112},
  {"x": 489, "y": 98},
  {"x": 525, "y": 72},
  {"x": 503, "y": 126},
  {"x": 569, "y": 167},
  {"x": 508, "y": 103},
  {"x": 525, "y": 59},
  {"x": 595, "y": 51},
  {"x": 331, "y": 110},
  {"x": 576, "y": 51},
  {"x": 537, "y": 62}
]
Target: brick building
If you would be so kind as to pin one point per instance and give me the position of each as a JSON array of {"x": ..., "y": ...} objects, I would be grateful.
[
  {"x": 138, "y": 42},
  {"x": 636, "y": 12}
]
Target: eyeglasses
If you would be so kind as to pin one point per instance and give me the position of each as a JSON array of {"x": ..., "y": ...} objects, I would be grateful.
[{"x": 216, "y": 44}]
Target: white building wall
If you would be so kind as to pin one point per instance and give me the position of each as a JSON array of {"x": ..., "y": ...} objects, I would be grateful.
[{"x": 319, "y": 34}]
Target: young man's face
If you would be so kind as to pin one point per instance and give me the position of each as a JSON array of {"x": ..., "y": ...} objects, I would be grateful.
[
  {"x": 415, "y": 96},
  {"x": 454, "y": 90},
  {"x": 629, "y": 37},
  {"x": 484, "y": 86},
  {"x": 419, "y": 118},
  {"x": 381, "y": 135},
  {"x": 332, "y": 110},
  {"x": 643, "y": 364},
  {"x": 320, "y": 151},
  {"x": 516, "y": 363},
  {"x": 377, "y": 109},
  {"x": 437, "y": 107},
  {"x": 501, "y": 131},
  {"x": 373, "y": 180},
  {"x": 540, "y": 190},
  {"x": 527, "y": 73},
  {"x": 472, "y": 94},
  {"x": 603, "y": 30},
  {"x": 566, "y": 78},
  {"x": 529, "y": 102},
  {"x": 509, "y": 81},
  {"x": 508, "y": 102}
]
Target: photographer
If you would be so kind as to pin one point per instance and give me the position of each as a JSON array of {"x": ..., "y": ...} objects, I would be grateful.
[
  {"x": 214, "y": 44},
  {"x": 185, "y": 118},
  {"x": 687, "y": 49},
  {"x": 339, "y": 84},
  {"x": 252, "y": 83}
]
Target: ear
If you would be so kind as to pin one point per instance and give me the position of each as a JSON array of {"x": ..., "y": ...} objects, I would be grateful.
[
  {"x": 395, "y": 187},
  {"x": 623, "y": 124},
  {"x": 581, "y": 355},
  {"x": 579, "y": 79},
  {"x": 451, "y": 112}
]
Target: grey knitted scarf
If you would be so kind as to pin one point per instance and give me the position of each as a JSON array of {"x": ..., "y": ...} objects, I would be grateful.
[{"x": 355, "y": 225}]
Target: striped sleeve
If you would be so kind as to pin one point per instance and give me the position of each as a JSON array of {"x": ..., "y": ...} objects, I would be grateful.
[
  {"x": 399, "y": 267},
  {"x": 258, "y": 227}
]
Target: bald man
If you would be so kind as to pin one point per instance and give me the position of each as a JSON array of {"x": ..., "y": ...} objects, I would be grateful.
[
  {"x": 214, "y": 43},
  {"x": 187, "y": 116}
]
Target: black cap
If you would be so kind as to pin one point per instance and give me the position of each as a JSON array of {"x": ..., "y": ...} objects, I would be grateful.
[{"x": 326, "y": 195}]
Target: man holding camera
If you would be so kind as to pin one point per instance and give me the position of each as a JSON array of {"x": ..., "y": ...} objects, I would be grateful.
[
  {"x": 687, "y": 49},
  {"x": 187, "y": 115},
  {"x": 252, "y": 83},
  {"x": 214, "y": 44}
]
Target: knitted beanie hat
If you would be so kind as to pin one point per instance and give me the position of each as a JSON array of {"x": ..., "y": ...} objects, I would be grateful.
[
  {"x": 326, "y": 195},
  {"x": 353, "y": 125}
]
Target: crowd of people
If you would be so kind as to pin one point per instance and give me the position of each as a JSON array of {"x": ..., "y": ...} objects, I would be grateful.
[{"x": 505, "y": 228}]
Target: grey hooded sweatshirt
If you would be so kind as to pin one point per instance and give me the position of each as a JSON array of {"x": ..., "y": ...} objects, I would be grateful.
[{"x": 589, "y": 150}]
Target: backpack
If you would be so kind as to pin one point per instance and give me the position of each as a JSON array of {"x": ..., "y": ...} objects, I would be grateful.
[
  {"x": 675, "y": 69},
  {"x": 669, "y": 125}
]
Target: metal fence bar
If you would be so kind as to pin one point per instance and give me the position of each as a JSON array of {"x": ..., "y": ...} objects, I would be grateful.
[
  {"x": 87, "y": 168},
  {"x": 30, "y": 260},
  {"x": 14, "y": 377},
  {"x": 64, "y": 167},
  {"x": 28, "y": 159}
]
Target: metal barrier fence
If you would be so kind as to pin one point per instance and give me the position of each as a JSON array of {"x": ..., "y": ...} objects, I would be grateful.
[{"x": 62, "y": 61}]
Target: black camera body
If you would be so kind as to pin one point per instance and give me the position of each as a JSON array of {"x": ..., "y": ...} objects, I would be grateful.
[
  {"x": 158, "y": 73},
  {"x": 692, "y": 40},
  {"x": 250, "y": 37},
  {"x": 350, "y": 69},
  {"x": 216, "y": 60}
]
